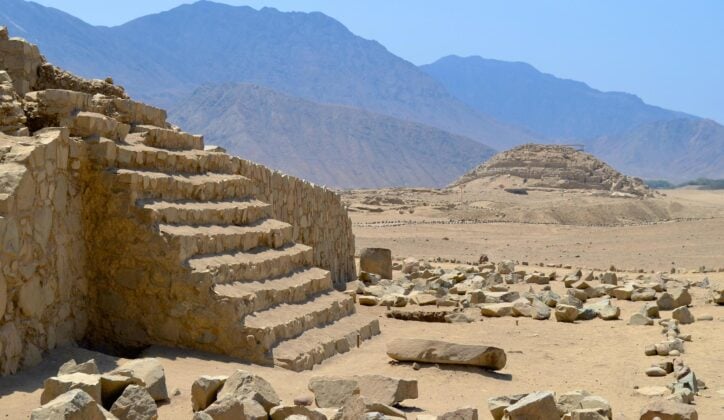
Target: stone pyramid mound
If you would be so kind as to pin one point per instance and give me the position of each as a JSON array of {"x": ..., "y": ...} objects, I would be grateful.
[
  {"x": 554, "y": 166},
  {"x": 122, "y": 231}
]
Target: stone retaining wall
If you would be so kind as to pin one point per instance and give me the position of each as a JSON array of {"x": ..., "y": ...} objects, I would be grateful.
[
  {"x": 43, "y": 287},
  {"x": 319, "y": 218}
]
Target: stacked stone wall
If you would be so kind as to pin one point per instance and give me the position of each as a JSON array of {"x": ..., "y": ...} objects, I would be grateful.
[
  {"x": 319, "y": 218},
  {"x": 43, "y": 286}
]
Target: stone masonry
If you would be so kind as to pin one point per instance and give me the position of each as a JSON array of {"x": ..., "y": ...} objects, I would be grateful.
[{"x": 120, "y": 231}]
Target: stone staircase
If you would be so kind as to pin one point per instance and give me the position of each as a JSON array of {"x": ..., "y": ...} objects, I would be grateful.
[{"x": 246, "y": 289}]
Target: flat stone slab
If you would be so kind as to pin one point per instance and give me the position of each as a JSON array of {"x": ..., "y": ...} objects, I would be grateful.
[{"x": 432, "y": 351}]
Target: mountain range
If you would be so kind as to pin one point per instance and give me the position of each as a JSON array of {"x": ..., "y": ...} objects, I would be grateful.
[
  {"x": 306, "y": 84},
  {"x": 267, "y": 126}
]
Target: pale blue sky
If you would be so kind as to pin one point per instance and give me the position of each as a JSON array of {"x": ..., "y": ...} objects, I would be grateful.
[{"x": 669, "y": 52}]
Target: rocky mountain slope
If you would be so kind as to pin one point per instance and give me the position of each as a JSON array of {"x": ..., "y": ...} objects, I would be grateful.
[
  {"x": 678, "y": 150},
  {"x": 328, "y": 144},
  {"x": 309, "y": 55},
  {"x": 553, "y": 166}
]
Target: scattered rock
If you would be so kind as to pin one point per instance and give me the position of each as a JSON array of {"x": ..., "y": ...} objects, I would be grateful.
[
  {"x": 58, "y": 385},
  {"x": 204, "y": 391},
  {"x": 655, "y": 371},
  {"x": 496, "y": 310},
  {"x": 135, "y": 403},
  {"x": 149, "y": 372},
  {"x": 89, "y": 367},
  {"x": 365, "y": 300},
  {"x": 244, "y": 385},
  {"x": 644, "y": 294},
  {"x": 566, "y": 313},
  {"x": 376, "y": 261},
  {"x": 386, "y": 390},
  {"x": 74, "y": 404},
  {"x": 640, "y": 319},
  {"x": 332, "y": 391},
  {"x": 431, "y": 351},
  {"x": 536, "y": 405},
  {"x": 497, "y": 405},
  {"x": 227, "y": 408},
  {"x": 466, "y": 413},
  {"x": 283, "y": 412},
  {"x": 683, "y": 315},
  {"x": 668, "y": 410}
]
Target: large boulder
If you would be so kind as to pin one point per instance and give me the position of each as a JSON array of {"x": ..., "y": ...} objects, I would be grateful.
[
  {"x": 376, "y": 261},
  {"x": 683, "y": 315},
  {"x": 534, "y": 406},
  {"x": 89, "y": 367},
  {"x": 75, "y": 404},
  {"x": 465, "y": 413},
  {"x": 135, "y": 403},
  {"x": 112, "y": 387},
  {"x": 244, "y": 385},
  {"x": 148, "y": 372},
  {"x": 717, "y": 291},
  {"x": 668, "y": 410},
  {"x": 432, "y": 351},
  {"x": 386, "y": 390},
  {"x": 229, "y": 408},
  {"x": 681, "y": 296},
  {"x": 57, "y": 385},
  {"x": 204, "y": 391},
  {"x": 566, "y": 313},
  {"x": 333, "y": 391},
  {"x": 497, "y": 405},
  {"x": 497, "y": 309}
]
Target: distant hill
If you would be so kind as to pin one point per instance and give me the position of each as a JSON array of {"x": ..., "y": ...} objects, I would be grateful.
[
  {"x": 676, "y": 150},
  {"x": 517, "y": 93},
  {"x": 334, "y": 145},
  {"x": 163, "y": 57}
]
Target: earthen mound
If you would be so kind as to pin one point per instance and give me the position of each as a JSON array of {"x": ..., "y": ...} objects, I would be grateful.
[{"x": 554, "y": 166}]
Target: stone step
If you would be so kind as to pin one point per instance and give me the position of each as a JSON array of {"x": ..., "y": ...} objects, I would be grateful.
[
  {"x": 318, "y": 344},
  {"x": 160, "y": 185},
  {"x": 215, "y": 239},
  {"x": 295, "y": 287},
  {"x": 136, "y": 155},
  {"x": 286, "y": 321},
  {"x": 230, "y": 212},
  {"x": 164, "y": 138},
  {"x": 253, "y": 265}
]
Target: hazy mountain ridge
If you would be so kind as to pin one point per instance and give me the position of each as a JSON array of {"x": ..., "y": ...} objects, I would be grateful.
[
  {"x": 676, "y": 150},
  {"x": 334, "y": 145},
  {"x": 556, "y": 108}
]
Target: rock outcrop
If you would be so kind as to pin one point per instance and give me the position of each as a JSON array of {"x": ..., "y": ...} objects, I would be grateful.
[
  {"x": 119, "y": 229},
  {"x": 555, "y": 166}
]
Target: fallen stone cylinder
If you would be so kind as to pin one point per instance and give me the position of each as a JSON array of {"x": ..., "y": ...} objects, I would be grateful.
[{"x": 432, "y": 351}]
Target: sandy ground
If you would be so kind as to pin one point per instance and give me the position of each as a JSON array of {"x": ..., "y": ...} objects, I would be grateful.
[
  {"x": 681, "y": 244},
  {"x": 603, "y": 357}
]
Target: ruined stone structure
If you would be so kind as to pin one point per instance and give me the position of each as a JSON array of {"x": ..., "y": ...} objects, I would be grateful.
[
  {"x": 556, "y": 166},
  {"x": 121, "y": 231}
]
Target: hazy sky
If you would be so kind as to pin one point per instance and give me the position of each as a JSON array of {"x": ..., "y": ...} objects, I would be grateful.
[{"x": 669, "y": 52}]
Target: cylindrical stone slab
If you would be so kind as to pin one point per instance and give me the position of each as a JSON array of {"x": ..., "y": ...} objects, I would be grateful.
[
  {"x": 376, "y": 261},
  {"x": 432, "y": 351}
]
